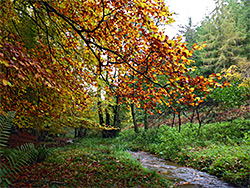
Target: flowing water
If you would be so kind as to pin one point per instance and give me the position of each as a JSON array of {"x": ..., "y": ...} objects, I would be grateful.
[{"x": 182, "y": 176}]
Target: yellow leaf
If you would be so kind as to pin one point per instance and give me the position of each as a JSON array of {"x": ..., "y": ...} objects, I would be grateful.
[
  {"x": 198, "y": 98},
  {"x": 6, "y": 82},
  {"x": 4, "y": 62},
  {"x": 49, "y": 71}
]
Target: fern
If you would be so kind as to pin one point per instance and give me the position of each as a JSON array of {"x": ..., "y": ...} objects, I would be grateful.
[
  {"x": 5, "y": 128},
  {"x": 16, "y": 158}
]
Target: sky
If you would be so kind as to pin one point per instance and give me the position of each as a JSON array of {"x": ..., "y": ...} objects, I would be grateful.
[{"x": 196, "y": 9}]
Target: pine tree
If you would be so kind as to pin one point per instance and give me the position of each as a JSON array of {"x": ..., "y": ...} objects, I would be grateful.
[
  {"x": 189, "y": 33},
  {"x": 243, "y": 24},
  {"x": 223, "y": 39}
]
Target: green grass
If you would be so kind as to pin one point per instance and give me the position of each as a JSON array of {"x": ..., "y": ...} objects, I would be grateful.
[
  {"x": 91, "y": 162},
  {"x": 229, "y": 162},
  {"x": 221, "y": 149}
]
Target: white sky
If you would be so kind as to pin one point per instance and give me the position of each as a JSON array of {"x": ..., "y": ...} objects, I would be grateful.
[{"x": 196, "y": 9}]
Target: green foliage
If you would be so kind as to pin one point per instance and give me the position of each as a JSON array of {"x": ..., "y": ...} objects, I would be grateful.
[
  {"x": 15, "y": 159},
  {"x": 225, "y": 31},
  {"x": 231, "y": 163},
  {"x": 5, "y": 128},
  {"x": 246, "y": 138},
  {"x": 189, "y": 33},
  {"x": 42, "y": 153},
  {"x": 170, "y": 141},
  {"x": 242, "y": 14},
  {"x": 137, "y": 141},
  {"x": 221, "y": 149},
  {"x": 91, "y": 162},
  {"x": 229, "y": 96},
  {"x": 226, "y": 131}
]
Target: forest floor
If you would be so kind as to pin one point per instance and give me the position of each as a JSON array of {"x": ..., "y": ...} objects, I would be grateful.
[
  {"x": 96, "y": 164},
  {"x": 88, "y": 163}
]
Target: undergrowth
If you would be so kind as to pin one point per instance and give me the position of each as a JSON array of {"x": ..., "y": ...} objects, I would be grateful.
[
  {"x": 90, "y": 162},
  {"x": 221, "y": 149}
]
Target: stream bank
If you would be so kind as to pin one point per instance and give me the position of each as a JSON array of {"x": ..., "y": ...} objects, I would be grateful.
[{"x": 182, "y": 176}]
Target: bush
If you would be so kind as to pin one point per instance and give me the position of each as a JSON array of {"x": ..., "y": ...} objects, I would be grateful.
[
  {"x": 221, "y": 149},
  {"x": 169, "y": 142},
  {"x": 229, "y": 96},
  {"x": 231, "y": 163}
]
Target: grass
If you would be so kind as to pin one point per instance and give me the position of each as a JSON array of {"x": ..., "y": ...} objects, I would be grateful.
[
  {"x": 221, "y": 149},
  {"x": 228, "y": 162},
  {"x": 91, "y": 162}
]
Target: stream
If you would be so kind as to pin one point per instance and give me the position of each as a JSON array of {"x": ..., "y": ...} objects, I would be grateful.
[{"x": 182, "y": 176}]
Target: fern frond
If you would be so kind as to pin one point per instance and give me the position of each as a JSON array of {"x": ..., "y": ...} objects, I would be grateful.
[
  {"x": 17, "y": 158},
  {"x": 5, "y": 128}
]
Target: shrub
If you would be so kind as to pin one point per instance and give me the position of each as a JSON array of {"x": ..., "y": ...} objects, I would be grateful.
[{"x": 14, "y": 159}]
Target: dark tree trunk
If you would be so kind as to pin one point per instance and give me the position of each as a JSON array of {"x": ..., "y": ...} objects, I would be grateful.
[
  {"x": 116, "y": 122},
  {"x": 107, "y": 118},
  {"x": 179, "y": 117},
  {"x": 134, "y": 120},
  {"x": 99, "y": 105},
  {"x": 76, "y": 132},
  {"x": 80, "y": 132},
  {"x": 116, "y": 113},
  {"x": 145, "y": 120}
]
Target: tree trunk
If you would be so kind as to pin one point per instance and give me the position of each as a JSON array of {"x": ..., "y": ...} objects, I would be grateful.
[
  {"x": 76, "y": 132},
  {"x": 99, "y": 106},
  {"x": 116, "y": 122},
  {"x": 82, "y": 132},
  {"x": 134, "y": 120},
  {"x": 116, "y": 113},
  {"x": 179, "y": 117},
  {"x": 107, "y": 117},
  {"x": 145, "y": 120}
]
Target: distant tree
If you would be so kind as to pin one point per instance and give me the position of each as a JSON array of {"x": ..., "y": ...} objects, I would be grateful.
[
  {"x": 242, "y": 14},
  {"x": 189, "y": 33},
  {"x": 223, "y": 39}
]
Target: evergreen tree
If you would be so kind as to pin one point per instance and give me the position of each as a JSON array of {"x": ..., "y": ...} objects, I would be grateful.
[
  {"x": 243, "y": 24},
  {"x": 223, "y": 38},
  {"x": 189, "y": 33}
]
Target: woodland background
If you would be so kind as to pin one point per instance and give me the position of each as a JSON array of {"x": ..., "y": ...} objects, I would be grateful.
[{"x": 98, "y": 68}]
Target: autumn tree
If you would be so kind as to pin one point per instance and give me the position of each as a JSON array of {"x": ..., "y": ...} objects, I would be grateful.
[
  {"x": 76, "y": 45},
  {"x": 36, "y": 81}
]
